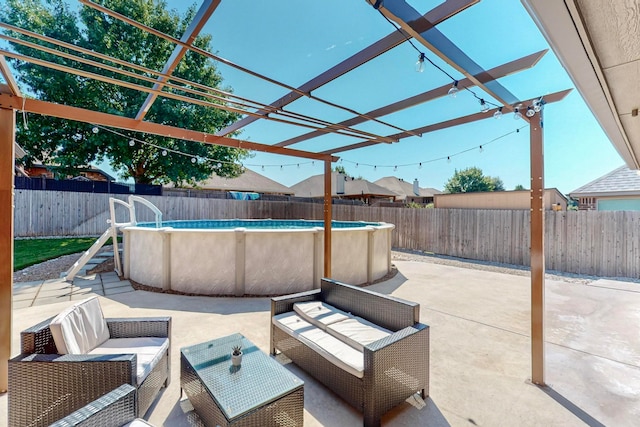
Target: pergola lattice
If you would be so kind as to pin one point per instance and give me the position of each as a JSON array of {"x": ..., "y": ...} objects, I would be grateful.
[{"x": 421, "y": 28}]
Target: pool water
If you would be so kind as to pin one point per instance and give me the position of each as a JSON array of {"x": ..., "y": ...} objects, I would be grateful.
[{"x": 271, "y": 224}]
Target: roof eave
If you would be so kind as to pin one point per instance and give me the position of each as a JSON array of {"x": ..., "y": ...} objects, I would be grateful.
[{"x": 561, "y": 25}]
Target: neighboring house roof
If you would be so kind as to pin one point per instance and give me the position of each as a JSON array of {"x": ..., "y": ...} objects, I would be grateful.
[
  {"x": 80, "y": 169},
  {"x": 314, "y": 187},
  {"x": 404, "y": 189},
  {"x": 619, "y": 182},
  {"x": 249, "y": 181}
]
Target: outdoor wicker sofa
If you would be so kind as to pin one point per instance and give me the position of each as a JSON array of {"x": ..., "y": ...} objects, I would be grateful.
[
  {"x": 46, "y": 386},
  {"x": 115, "y": 409},
  {"x": 392, "y": 368}
]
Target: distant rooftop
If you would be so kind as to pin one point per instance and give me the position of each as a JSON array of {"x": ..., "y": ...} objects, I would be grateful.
[
  {"x": 249, "y": 181},
  {"x": 314, "y": 187},
  {"x": 404, "y": 188},
  {"x": 617, "y": 182}
]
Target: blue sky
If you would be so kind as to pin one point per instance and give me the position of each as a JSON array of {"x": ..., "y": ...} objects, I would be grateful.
[{"x": 293, "y": 41}]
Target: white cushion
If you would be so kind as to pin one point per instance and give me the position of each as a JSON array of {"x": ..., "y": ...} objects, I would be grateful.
[
  {"x": 319, "y": 314},
  {"x": 80, "y": 328},
  {"x": 357, "y": 332},
  {"x": 148, "y": 349},
  {"x": 138, "y": 422},
  {"x": 335, "y": 351}
]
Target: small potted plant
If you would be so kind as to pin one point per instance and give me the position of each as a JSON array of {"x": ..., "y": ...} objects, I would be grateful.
[{"x": 236, "y": 355}]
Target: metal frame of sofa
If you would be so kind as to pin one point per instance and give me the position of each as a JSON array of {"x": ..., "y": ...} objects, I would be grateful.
[
  {"x": 395, "y": 367},
  {"x": 45, "y": 386}
]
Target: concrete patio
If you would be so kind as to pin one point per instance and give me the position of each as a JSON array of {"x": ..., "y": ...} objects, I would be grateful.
[{"x": 480, "y": 348}]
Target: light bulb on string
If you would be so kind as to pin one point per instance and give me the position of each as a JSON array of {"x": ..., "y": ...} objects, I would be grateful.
[
  {"x": 395, "y": 168},
  {"x": 194, "y": 160},
  {"x": 131, "y": 143},
  {"x": 95, "y": 129},
  {"x": 454, "y": 89},
  {"x": 419, "y": 165},
  {"x": 262, "y": 167},
  {"x": 530, "y": 112},
  {"x": 219, "y": 165},
  {"x": 448, "y": 159},
  {"x": 375, "y": 168},
  {"x": 356, "y": 166},
  {"x": 537, "y": 105},
  {"x": 498, "y": 114},
  {"x": 298, "y": 165},
  {"x": 484, "y": 107},
  {"x": 164, "y": 152},
  {"x": 481, "y": 149},
  {"x": 517, "y": 115},
  {"x": 420, "y": 62}
]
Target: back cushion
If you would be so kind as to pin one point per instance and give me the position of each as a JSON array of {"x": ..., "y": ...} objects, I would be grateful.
[{"x": 80, "y": 328}]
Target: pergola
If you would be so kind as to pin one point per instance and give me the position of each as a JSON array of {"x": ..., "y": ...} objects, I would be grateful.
[{"x": 422, "y": 28}]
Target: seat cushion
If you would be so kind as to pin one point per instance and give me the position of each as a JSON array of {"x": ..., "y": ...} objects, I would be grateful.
[
  {"x": 357, "y": 332},
  {"x": 335, "y": 351},
  {"x": 80, "y": 328},
  {"x": 148, "y": 349},
  {"x": 319, "y": 314}
]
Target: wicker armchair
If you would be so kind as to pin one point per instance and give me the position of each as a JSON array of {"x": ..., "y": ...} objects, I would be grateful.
[
  {"x": 115, "y": 409},
  {"x": 45, "y": 386},
  {"x": 395, "y": 367}
]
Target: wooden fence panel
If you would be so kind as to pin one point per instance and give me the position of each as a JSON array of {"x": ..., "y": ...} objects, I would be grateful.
[{"x": 585, "y": 242}]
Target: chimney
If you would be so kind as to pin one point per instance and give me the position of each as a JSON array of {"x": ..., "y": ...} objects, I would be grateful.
[
  {"x": 340, "y": 179},
  {"x": 416, "y": 187}
]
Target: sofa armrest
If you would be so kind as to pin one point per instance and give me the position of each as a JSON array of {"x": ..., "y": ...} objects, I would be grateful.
[
  {"x": 38, "y": 339},
  {"x": 115, "y": 408},
  {"x": 133, "y": 327},
  {"x": 285, "y": 303},
  {"x": 47, "y": 387},
  {"x": 394, "y": 365}
]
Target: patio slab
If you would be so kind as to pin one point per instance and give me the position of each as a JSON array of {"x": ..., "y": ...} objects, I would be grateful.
[{"x": 480, "y": 350}]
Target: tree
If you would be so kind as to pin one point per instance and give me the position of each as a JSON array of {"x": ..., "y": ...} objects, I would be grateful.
[
  {"x": 519, "y": 187},
  {"x": 73, "y": 144},
  {"x": 340, "y": 169},
  {"x": 472, "y": 180}
]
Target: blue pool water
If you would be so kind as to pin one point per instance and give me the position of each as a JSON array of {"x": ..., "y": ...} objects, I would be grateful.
[{"x": 222, "y": 224}]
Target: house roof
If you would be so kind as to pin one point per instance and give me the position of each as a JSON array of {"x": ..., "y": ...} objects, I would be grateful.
[
  {"x": 314, "y": 187},
  {"x": 89, "y": 168},
  {"x": 404, "y": 188},
  {"x": 249, "y": 181},
  {"x": 621, "y": 181},
  {"x": 597, "y": 43}
]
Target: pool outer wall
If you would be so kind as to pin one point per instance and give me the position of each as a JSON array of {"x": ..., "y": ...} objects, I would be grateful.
[{"x": 245, "y": 261}]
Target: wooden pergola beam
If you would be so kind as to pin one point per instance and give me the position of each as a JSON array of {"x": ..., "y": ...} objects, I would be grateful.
[
  {"x": 497, "y": 72},
  {"x": 548, "y": 99},
  {"x": 424, "y": 31},
  {"x": 111, "y": 120},
  {"x": 201, "y": 18},
  {"x": 8, "y": 77},
  {"x": 437, "y": 15}
]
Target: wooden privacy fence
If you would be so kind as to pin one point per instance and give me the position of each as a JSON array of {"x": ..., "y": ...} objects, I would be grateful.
[{"x": 584, "y": 242}]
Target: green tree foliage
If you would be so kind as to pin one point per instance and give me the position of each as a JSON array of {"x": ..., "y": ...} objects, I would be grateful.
[
  {"x": 72, "y": 144},
  {"x": 472, "y": 180},
  {"x": 519, "y": 187}
]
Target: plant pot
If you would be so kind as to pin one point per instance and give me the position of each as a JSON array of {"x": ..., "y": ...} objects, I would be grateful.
[{"x": 236, "y": 360}]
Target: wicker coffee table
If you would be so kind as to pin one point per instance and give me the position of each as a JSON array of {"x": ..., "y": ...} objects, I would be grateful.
[{"x": 259, "y": 393}]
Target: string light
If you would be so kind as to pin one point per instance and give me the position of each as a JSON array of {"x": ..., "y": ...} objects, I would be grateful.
[
  {"x": 132, "y": 143},
  {"x": 517, "y": 115},
  {"x": 448, "y": 159},
  {"x": 262, "y": 168},
  {"x": 420, "y": 165},
  {"x": 194, "y": 160},
  {"x": 164, "y": 152},
  {"x": 453, "y": 92},
  {"x": 420, "y": 62},
  {"x": 498, "y": 114},
  {"x": 530, "y": 112},
  {"x": 480, "y": 149},
  {"x": 484, "y": 107},
  {"x": 95, "y": 129}
]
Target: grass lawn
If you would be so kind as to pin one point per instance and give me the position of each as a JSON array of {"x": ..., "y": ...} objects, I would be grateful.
[{"x": 27, "y": 252}]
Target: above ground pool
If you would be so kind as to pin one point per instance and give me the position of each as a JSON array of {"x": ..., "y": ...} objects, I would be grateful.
[{"x": 253, "y": 257}]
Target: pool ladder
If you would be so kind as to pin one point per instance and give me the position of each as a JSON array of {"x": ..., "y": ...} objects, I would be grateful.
[{"x": 112, "y": 232}]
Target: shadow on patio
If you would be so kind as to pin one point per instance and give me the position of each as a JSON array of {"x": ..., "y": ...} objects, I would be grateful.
[{"x": 480, "y": 349}]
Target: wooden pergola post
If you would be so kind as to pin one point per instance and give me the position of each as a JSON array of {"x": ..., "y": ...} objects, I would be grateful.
[
  {"x": 536, "y": 135},
  {"x": 7, "y": 140},
  {"x": 327, "y": 218}
]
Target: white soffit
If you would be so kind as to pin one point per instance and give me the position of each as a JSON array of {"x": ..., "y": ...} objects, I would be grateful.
[{"x": 598, "y": 43}]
